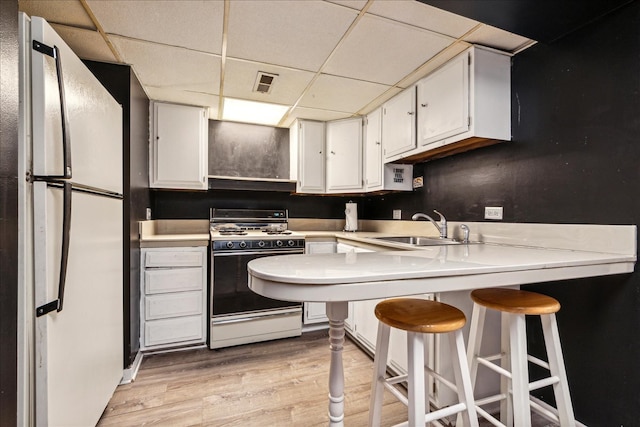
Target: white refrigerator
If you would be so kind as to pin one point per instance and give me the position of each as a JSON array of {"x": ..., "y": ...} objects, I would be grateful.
[{"x": 70, "y": 222}]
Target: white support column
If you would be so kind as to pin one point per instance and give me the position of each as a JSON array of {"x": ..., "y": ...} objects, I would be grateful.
[{"x": 336, "y": 312}]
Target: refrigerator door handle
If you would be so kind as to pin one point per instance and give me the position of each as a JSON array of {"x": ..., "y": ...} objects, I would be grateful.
[
  {"x": 54, "y": 52},
  {"x": 64, "y": 256}
]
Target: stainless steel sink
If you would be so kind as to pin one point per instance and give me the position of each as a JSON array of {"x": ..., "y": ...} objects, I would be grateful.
[{"x": 420, "y": 240}]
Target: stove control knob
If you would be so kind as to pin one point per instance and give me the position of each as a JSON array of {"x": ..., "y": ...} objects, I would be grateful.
[
  {"x": 291, "y": 243},
  {"x": 279, "y": 243},
  {"x": 261, "y": 244},
  {"x": 230, "y": 245},
  {"x": 243, "y": 245}
]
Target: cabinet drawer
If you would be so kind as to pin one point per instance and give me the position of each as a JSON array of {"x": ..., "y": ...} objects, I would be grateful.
[
  {"x": 173, "y": 259},
  {"x": 169, "y": 331},
  {"x": 172, "y": 280},
  {"x": 172, "y": 305}
]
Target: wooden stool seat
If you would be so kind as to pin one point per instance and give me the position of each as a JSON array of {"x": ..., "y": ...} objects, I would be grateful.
[
  {"x": 515, "y": 301},
  {"x": 512, "y": 363},
  {"x": 420, "y": 315}
]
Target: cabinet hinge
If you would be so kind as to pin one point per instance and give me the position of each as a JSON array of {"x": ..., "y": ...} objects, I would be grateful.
[
  {"x": 469, "y": 121},
  {"x": 469, "y": 59}
]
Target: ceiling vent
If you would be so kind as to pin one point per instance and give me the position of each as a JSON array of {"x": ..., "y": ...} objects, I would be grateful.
[{"x": 264, "y": 82}]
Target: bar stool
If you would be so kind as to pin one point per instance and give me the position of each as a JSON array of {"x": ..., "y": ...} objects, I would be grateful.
[
  {"x": 419, "y": 317},
  {"x": 513, "y": 305}
]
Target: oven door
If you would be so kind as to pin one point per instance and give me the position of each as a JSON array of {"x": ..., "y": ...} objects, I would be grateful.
[{"x": 230, "y": 293}]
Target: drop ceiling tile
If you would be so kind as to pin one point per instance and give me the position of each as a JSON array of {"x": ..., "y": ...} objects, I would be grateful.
[
  {"x": 171, "y": 67},
  {"x": 185, "y": 97},
  {"x": 423, "y": 16},
  {"x": 298, "y": 34},
  {"x": 187, "y": 23},
  {"x": 378, "y": 101},
  {"x": 353, "y": 4},
  {"x": 58, "y": 11},
  {"x": 240, "y": 77},
  {"x": 87, "y": 44},
  {"x": 428, "y": 67},
  {"x": 341, "y": 94},
  {"x": 314, "y": 114},
  {"x": 383, "y": 51},
  {"x": 496, "y": 38}
]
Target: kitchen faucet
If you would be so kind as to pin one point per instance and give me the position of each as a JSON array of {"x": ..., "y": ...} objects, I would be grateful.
[{"x": 442, "y": 227}]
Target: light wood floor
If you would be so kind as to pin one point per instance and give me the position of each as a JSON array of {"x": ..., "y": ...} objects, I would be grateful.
[
  {"x": 280, "y": 383},
  {"x": 276, "y": 383}
]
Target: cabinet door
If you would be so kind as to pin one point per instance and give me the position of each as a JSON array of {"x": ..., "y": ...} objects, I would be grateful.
[
  {"x": 344, "y": 155},
  {"x": 443, "y": 102},
  {"x": 179, "y": 147},
  {"x": 373, "y": 150},
  {"x": 399, "y": 123},
  {"x": 311, "y": 160}
]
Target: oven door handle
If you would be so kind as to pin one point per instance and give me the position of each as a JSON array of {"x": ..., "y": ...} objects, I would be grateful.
[{"x": 249, "y": 319}]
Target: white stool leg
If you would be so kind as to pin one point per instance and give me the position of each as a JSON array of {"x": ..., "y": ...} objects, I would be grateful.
[
  {"x": 379, "y": 370},
  {"x": 415, "y": 347},
  {"x": 506, "y": 405},
  {"x": 463, "y": 379},
  {"x": 519, "y": 370},
  {"x": 475, "y": 340},
  {"x": 556, "y": 365}
]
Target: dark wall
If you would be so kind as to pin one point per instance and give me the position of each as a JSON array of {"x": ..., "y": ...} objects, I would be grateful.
[
  {"x": 124, "y": 86},
  {"x": 195, "y": 204},
  {"x": 574, "y": 158},
  {"x": 8, "y": 211}
]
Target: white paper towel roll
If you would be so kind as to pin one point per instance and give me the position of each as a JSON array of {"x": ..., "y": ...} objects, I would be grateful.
[{"x": 351, "y": 214}]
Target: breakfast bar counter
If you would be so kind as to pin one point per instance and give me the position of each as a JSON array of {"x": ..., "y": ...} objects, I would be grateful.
[{"x": 339, "y": 278}]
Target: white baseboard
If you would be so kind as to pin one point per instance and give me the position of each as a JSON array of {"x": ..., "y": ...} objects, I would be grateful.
[{"x": 129, "y": 374}]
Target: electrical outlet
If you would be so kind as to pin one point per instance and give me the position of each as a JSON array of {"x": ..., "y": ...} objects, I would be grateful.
[
  {"x": 493, "y": 212},
  {"x": 397, "y": 214},
  {"x": 148, "y": 214}
]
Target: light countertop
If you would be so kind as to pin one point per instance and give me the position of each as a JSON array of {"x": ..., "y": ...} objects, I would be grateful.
[{"x": 361, "y": 276}]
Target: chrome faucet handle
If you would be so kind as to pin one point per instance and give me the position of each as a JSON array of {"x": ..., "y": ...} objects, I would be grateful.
[
  {"x": 443, "y": 225},
  {"x": 465, "y": 233}
]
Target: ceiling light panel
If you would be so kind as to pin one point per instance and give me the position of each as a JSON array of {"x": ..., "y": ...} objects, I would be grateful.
[
  {"x": 240, "y": 77},
  {"x": 383, "y": 51},
  {"x": 298, "y": 34},
  {"x": 165, "y": 66},
  {"x": 341, "y": 94},
  {"x": 59, "y": 11},
  {"x": 87, "y": 44},
  {"x": 423, "y": 16},
  {"x": 192, "y": 24},
  {"x": 240, "y": 110}
]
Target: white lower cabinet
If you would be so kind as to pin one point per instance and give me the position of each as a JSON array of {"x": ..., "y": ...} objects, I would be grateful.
[{"x": 173, "y": 297}]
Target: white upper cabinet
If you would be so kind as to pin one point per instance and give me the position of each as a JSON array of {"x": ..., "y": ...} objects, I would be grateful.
[
  {"x": 399, "y": 124},
  {"x": 443, "y": 101},
  {"x": 308, "y": 138},
  {"x": 344, "y": 155},
  {"x": 178, "y": 147},
  {"x": 464, "y": 104},
  {"x": 379, "y": 175},
  {"x": 373, "y": 150}
]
